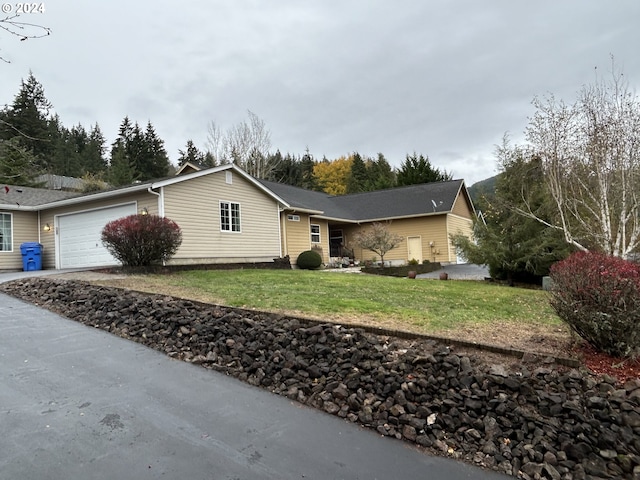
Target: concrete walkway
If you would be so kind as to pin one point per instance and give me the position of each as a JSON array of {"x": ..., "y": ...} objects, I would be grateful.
[
  {"x": 19, "y": 274},
  {"x": 78, "y": 403},
  {"x": 461, "y": 271}
]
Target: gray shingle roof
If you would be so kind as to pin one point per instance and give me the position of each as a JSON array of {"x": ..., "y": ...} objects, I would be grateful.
[
  {"x": 412, "y": 200},
  {"x": 14, "y": 196}
]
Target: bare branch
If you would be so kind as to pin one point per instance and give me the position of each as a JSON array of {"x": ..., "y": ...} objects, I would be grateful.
[{"x": 23, "y": 30}]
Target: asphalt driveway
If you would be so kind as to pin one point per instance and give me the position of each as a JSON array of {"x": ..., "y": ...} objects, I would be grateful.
[{"x": 79, "y": 403}]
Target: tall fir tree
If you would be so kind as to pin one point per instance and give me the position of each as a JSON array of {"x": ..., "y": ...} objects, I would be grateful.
[
  {"x": 17, "y": 164},
  {"x": 358, "y": 177},
  {"x": 157, "y": 163},
  {"x": 190, "y": 154},
  {"x": 308, "y": 179},
  {"x": 381, "y": 174},
  {"x": 93, "y": 159},
  {"x": 28, "y": 120},
  {"x": 418, "y": 169},
  {"x": 65, "y": 159},
  {"x": 121, "y": 171}
]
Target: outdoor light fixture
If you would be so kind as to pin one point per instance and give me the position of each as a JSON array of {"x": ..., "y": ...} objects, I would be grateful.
[
  {"x": 144, "y": 211},
  {"x": 46, "y": 227}
]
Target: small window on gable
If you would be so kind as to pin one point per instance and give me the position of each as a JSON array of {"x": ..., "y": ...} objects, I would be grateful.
[
  {"x": 293, "y": 218},
  {"x": 228, "y": 177},
  {"x": 6, "y": 232},
  {"x": 315, "y": 233}
]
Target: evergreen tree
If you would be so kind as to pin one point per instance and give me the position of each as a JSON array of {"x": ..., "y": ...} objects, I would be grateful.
[
  {"x": 209, "y": 160},
  {"x": 359, "y": 176},
  {"x": 381, "y": 174},
  {"x": 121, "y": 171},
  {"x": 65, "y": 159},
  {"x": 418, "y": 169},
  {"x": 93, "y": 160},
  {"x": 191, "y": 154},
  {"x": 142, "y": 151},
  {"x": 28, "y": 120},
  {"x": 18, "y": 166},
  {"x": 308, "y": 179},
  {"x": 514, "y": 247},
  {"x": 155, "y": 163}
]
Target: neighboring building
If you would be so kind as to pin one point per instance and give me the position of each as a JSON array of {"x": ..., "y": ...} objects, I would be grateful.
[
  {"x": 227, "y": 216},
  {"x": 60, "y": 182}
]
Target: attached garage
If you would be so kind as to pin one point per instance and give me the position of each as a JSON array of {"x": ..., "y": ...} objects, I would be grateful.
[{"x": 78, "y": 236}]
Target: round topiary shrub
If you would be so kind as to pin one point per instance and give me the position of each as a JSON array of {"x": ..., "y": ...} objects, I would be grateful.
[
  {"x": 598, "y": 296},
  {"x": 309, "y": 260}
]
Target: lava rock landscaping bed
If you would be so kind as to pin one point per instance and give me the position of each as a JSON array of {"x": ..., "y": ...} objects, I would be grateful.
[{"x": 539, "y": 422}]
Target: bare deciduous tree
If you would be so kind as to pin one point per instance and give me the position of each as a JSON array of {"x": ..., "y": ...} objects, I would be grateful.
[
  {"x": 590, "y": 154},
  {"x": 215, "y": 143},
  {"x": 246, "y": 144}
]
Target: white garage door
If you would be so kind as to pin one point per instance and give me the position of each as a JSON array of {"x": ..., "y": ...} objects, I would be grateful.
[{"x": 79, "y": 243}]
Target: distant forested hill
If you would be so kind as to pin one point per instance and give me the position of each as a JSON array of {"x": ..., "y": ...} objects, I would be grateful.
[{"x": 486, "y": 187}]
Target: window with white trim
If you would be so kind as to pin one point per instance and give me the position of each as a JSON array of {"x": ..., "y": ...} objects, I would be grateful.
[
  {"x": 6, "y": 232},
  {"x": 229, "y": 217},
  {"x": 293, "y": 218},
  {"x": 315, "y": 233}
]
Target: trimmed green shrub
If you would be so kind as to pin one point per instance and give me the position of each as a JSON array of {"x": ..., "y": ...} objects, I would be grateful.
[
  {"x": 309, "y": 260},
  {"x": 598, "y": 296},
  {"x": 142, "y": 240}
]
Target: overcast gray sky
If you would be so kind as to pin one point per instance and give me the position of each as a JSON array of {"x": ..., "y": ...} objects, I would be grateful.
[{"x": 443, "y": 78}]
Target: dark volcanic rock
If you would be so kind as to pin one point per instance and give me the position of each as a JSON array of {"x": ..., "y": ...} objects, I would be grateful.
[{"x": 541, "y": 423}]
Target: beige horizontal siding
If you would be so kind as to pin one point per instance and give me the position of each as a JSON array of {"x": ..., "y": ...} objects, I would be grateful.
[
  {"x": 297, "y": 236},
  {"x": 462, "y": 208},
  {"x": 24, "y": 229},
  {"x": 432, "y": 230},
  {"x": 456, "y": 225},
  {"x": 195, "y": 206}
]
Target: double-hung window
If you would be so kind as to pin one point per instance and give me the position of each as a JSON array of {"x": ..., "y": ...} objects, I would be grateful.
[
  {"x": 315, "y": 233},
  {"x": 6, "y": 232},
  {"x": 229, "y": 217}
]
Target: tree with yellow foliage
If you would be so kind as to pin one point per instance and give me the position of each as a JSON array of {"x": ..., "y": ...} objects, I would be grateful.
[{"x": 333, "y": 176}]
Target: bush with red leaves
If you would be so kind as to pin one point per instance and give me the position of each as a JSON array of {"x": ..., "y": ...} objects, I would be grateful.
[
  {"x": 142, "y": 240},
  {"x": 598, "y": 296}
]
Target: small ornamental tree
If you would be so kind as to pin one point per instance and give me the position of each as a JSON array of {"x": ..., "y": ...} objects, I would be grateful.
[
  {"x": 377, "y": 239},
  {"x": 142, "y": 240},
  {"x": 598, "y": 296}
]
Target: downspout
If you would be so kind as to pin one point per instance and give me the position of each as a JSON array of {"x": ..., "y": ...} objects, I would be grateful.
[
  {"x": 283, "y": 233},
  {"x": 160, "y": 201},
  {"x": 39, "y": 229},
  {"x": 160, "y": 209}
]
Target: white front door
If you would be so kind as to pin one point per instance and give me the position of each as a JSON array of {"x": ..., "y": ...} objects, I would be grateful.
[{"x": 414, "y": 248}]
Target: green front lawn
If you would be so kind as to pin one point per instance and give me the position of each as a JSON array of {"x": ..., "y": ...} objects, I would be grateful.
[{"x": 429, "y": 305}]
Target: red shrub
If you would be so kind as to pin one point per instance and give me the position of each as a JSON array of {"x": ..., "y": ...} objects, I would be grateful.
[
  {"x": 142, "y": 240},
  {"x": 598, "y": 296}
]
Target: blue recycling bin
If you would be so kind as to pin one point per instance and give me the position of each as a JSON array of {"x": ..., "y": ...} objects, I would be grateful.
[{"x": 31, "y": 256}]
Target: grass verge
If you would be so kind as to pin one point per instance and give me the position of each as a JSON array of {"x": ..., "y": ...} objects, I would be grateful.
[{"x": 426, "y": 306}]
